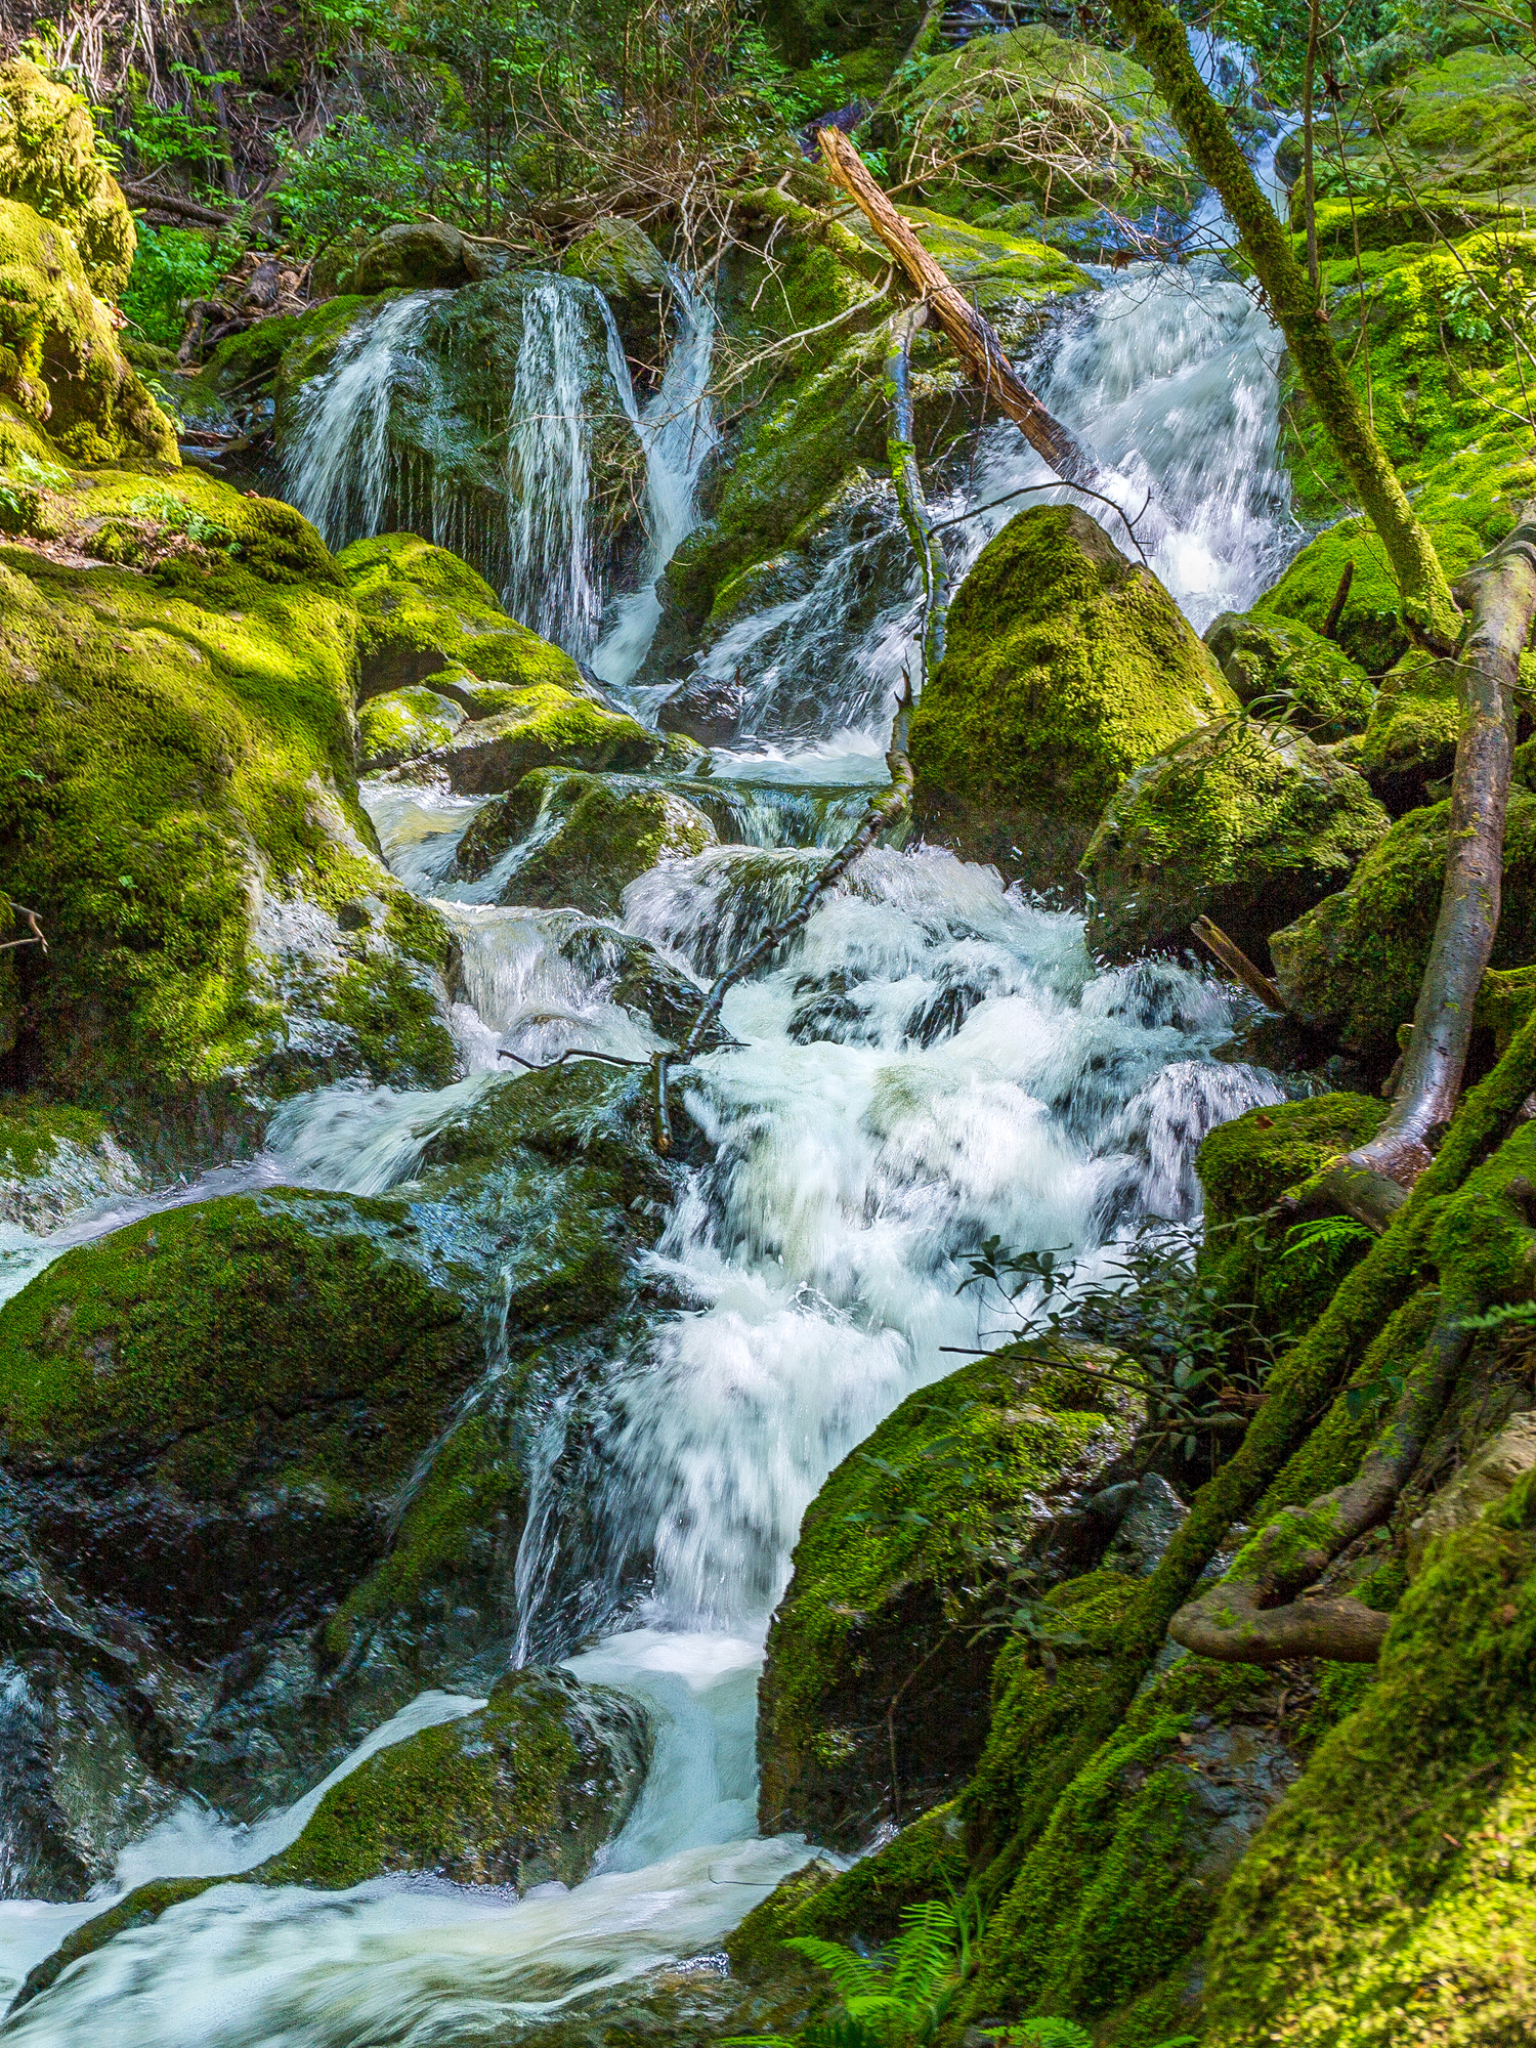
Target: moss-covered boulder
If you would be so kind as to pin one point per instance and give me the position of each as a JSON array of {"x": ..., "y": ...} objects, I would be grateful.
[
  {"x": 424, "y": 610},
  {"x": 1245, "y": 1166},
  {"x": 59, "y": 355},
  {"x": 543, "y": 728},
  {"x": 412, "y": 256},
  {"x": 181, "y": 810},
  {"x": 400, "y": 725},
  {"x": 619, "y": 257},
  {"x": 1351, "y": 966},
  {"x": 1409, "y": 744},
  {"x": 1067, "y": 667},
  {"x": 1240, "y": 823},
  {"x": 207, "y": 1416},
  {"x": 1294, "y": 673},
  {"x": 966, "y": 104},
  {"x": 583, "y": 838},
  {"x": 524, "y": 1792},
  {"x": 56, "y": 1161},
  {"x": 877, "y": 1647},
  {"x": 49, "y": 161},
  {"x": 1389, "y": 1897}
]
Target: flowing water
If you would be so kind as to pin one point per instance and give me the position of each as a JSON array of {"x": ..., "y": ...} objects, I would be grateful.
[{"x": 936, "y": 1061}]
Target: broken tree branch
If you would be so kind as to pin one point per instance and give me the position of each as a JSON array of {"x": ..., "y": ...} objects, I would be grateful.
[
  {"x": 972, "y": 336},
  {"x": 902, "y": 455},
  {"x": 150, "y": 201}
]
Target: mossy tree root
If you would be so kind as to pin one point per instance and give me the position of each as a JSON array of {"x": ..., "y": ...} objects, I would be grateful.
[
  {"x": 1502, "y": 590},
  {"x": 902, "y": 453},
  {"x": 972, "y": 336}
]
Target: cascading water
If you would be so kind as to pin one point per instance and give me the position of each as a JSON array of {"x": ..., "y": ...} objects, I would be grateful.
[{"x": 934, "y": 1061}]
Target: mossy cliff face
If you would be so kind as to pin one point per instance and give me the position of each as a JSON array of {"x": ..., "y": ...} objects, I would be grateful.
[
  {"x": 523, "y": 1792},
  {"x": 1351, "y": 967},
  {"x": 206, "y": 1415},
  {"x": 1066, "y": 669},
  {"x": 898, "y": 1558},
  {"x": 585, "y": 837},
  {"x": 1239, "y": 823},
  {"x": 180, "y": 808}
]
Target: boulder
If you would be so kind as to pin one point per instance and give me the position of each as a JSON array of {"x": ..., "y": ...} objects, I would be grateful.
[
  {"x": 1241, "y": 823},
  {"x": 425, "y": 610},
  {"x": 587, "y": 837},
  {"x": 56, "y": 1161},
  {"x": 619, "y": 257},
  {"x": 1066, "y": 668},
  {"x": 50, "y": 163},
  {"x": 523, "y": 1792},
  {"x": 177, "y": 734},
  {"x": 1409, "y": 743},
  {"x": 899, "y": 1557},
  {"x": 412, "y": 256},
  {"x": 546, "y": 727},
  {"x": 1308, "y": 681},
  {"x": 1351, "y": 966},
  {"x": 207, "y": 1415},
  {"x": 401, "y": 724},
  {"x": 59, "y": 356}
]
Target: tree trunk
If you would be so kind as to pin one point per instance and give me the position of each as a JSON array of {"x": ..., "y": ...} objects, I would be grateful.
[
  {"x": 902, "y": 452},
  {"x": 1163, "y": 47},
  {"x": 974, "y": 341}
]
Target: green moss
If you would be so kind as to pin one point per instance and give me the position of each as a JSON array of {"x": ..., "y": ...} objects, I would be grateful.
[
  {"x": 59, "y": 355},
  {"x": 520, "y": 1793},
  {"x": 970, "y": 100},
  {"x": 1066, "y": 668},
  {"x": 31, "y": 1133},
  {"x": 401, "y": 724},
  {"x": 243, "y": 367},
  {"x": 619, "y": 257},
  {"x": 49, "y": 161},
  {"x": 1245, "y": 1166},
  {"x": 1389, "y": 1898},
  {"x": 1410, "y": 743},
  {"x": 589, "y": 837},
  {"x": 1351, "y": 967},
  {"x": 1000, "y": 269},
  {"x": 1240, "y": 823},
  {"x": 542, "y": 727},
  {"x": 424, "y": 610},
  {"x": 872, "y": 35},
  {"x": 177, "y": 755},
  {"x": 897, "y": 1556},
  {"x": 1292, "y": 673}
]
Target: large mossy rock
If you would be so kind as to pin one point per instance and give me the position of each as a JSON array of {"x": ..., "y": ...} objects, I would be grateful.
[
  {"x": 1393, "y": 1881},
  {"x": 56, "y": 1161},
  {"x": 1239, "y": 823},
  {"x": 523, "y": 1792},
  {"x": 424, "y": 610},
  {"x": 181, "y": 811},
  {"x": 1351, "y": 966},
  {"x": 543, "y": 727},
  {"x": 413, "y": 256},
  {"x": 207, "y": 1416},
  {"x": 1066, "y": 668},
  {"x": 585, "y": 838},
  {"x": 59, "y": 355},
  {"x": 1292, "y": 673},
  {"x": 49, "y": 161},
  {"x": 1409, "y": 744},
  {"x": 897, "y": 1558}
]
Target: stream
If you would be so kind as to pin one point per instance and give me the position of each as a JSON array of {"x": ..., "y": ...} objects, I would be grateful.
[{"x": 938, "y": 1060}]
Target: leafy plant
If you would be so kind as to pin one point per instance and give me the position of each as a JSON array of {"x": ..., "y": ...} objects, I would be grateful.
[
  {"x": 170, "y": 266},
  {"x": 899, "y": 1997}
]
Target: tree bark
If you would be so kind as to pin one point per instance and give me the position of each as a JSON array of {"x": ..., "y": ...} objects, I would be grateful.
[
  {"x": 172, "y": 202},
  {"x": 1502, "y": 589},
  {"x": 902, "y": 455},
  {"x": 1428, "y": 606},
  {"x": 972, "y": 336}
]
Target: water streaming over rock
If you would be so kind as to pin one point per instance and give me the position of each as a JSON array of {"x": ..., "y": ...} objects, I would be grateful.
[{"x": 934, "y": 1061}]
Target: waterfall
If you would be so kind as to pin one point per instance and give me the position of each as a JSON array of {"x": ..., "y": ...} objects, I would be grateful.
[{"x": 678, "y": 433}]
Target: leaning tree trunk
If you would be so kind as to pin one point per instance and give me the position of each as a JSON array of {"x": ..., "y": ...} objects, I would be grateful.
[{"x": 972, "y": 336}]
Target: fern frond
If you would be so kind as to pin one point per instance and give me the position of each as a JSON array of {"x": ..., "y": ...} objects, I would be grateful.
[
  {"x": 923, "y": 1954},
  {"x": 854, "y": 1976},
  {"x": 1044, "y": 2031}
]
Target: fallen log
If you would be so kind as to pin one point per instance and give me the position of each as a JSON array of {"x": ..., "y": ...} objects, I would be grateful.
[
  {"x": 971, "y": 335},
  {"x": 172, "y": 202}
]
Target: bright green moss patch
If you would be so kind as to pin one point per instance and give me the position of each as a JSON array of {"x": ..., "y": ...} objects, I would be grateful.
[
  {"x": 401, "y": 724},
  {"x": 1240, "y": 823},
  {"x": 1290, "y": 673},
  {"x": 1390, "y": 1897},
  {"x": 523, "y": 1792},
  {"x": 1066, "y": 668},
  {"x": 423, "y": 610},
  {"x": 589, "y": 837},
  {"x": 544, "y": 727},
  {"x": 896, "y": 1555},
  {"x": 1351, "y": 967},
  {"x": 49, "y": 161}
]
